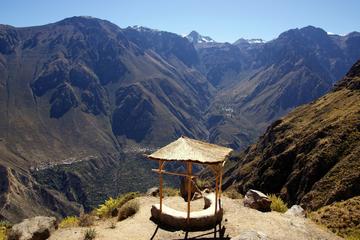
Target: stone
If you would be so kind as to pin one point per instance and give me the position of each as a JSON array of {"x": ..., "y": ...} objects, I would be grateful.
[
  {"x": 257, "y": 200},
  {"x": 36, "y": 228},
  {"x": 296, "y": 211},
  {"x": 154, "y": 191},
  {"x": 250, "y": 235}
]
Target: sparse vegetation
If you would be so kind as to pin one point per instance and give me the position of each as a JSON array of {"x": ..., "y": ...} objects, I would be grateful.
[
  {"x": 342, "y": 218},
  {"x": 112, "y": 225},
  {"x": 170, "y": 192},
  {"x": 277, "y": 204},
  {"x": 90, "y": 234},
  {"x": 232, "y": 193},
  {"x": 70, "y": 221},
  {"x": 203, "y": 183},
  {"x": 128, "y": 209},
  {"x": 86, "y": 220},
  {"x": 111, "y": 206},
  {"x": 4, "y": 227}
]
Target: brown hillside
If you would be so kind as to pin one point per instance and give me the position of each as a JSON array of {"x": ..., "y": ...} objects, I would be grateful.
[{"x": 311, "y": 156}]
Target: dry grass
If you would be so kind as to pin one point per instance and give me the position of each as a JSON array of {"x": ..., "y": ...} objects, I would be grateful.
[
  {"x": 232, "y": 193},
  {"x": 86, "y": 220},
  {"x": 111, "y": 206},
  {"x": 70, "y": 221},
  {"x": 277, "y": 204},
  {"x": 342, "y": 218},
  {"x": 3, "y": 231},
  {"x": 129, "y": 209},
  {"x": 171, "y": 192},
  {"x": 90, "y": 234}
]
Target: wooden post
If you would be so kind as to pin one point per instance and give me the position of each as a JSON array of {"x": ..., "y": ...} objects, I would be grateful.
[
  {"x": 220, "y": 186},
  {"x": 161, "y": 183},
  {"x": 216, "y": 192},
  {"x": 189, "y": 171}
]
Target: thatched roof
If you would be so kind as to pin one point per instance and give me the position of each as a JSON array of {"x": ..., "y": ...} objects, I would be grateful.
[{"x": 187, "y": 149}]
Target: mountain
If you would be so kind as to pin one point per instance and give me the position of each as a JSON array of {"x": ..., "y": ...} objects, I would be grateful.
[
  {"x": 195, "y": 38},
  {"x": 81, "y": 100},
  {"x": 82, "y": 92},
  {"x": 264, "y": 82},
  {"x": 310, "y": 156}
]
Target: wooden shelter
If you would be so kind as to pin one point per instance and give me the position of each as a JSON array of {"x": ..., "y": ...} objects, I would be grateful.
[{"x": 190, "y": 151}]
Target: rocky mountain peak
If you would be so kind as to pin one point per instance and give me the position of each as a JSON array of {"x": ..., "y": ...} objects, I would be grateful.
[{"x": 195, "y": 37}]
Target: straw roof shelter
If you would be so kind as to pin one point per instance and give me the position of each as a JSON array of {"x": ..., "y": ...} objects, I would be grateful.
[{"x": 189, "y": 151}]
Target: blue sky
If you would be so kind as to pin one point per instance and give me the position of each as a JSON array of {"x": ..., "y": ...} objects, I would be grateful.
[{"x": 223, "y": 20}]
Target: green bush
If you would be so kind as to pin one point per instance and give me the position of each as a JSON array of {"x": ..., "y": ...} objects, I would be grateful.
[
  {"x": 70, "y": 221},
  {"x": 277, "y": 204},
  {"x": 109, "y": 208},
  {"x": 90, "y": 234},
  {"x": 3, "y": 232},
  {"x": 128, "y": 209},
  {"x": 4, "y": 227}
]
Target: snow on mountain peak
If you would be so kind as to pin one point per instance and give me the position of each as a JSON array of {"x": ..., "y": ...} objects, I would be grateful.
[{"x": 195, "y": 37}]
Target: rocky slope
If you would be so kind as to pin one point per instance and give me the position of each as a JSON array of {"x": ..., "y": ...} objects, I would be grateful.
[
  {"x": 310, "y": 156},
  {"x": 238, "y": 221},
  {"x": 261, "y": 82},
  {"x": 84, "y": 90}
]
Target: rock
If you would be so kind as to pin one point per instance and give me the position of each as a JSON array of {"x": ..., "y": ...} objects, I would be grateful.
[
  {"x": 257, "y": 200},
  {"x": 250, "y": 235},
  {"x": 154, "y": 191},
  {"x": 296, "y": 211},
  {"x": 184, "y": 188},
  {"x": 36, "y": 228}
]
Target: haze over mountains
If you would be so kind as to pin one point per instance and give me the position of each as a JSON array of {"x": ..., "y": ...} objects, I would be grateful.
[{"x": 83, "y": 92}]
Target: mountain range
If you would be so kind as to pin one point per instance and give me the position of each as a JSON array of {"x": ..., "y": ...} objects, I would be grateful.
[{"x": 81, "y": 100}]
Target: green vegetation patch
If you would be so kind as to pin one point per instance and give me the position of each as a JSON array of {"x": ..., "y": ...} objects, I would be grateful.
[
  {"x": 70, "y": 221},
  {"x": 111, "y": 206}
]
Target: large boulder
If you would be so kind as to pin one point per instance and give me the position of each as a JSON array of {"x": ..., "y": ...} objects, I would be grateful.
[
  {"x": 295, "y": 211},
  {"x": 257, "y": 200},
  {"x": 36, "y": 228}
]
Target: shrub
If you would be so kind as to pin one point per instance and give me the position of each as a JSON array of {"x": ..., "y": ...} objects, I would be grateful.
[
  {"x": 4, "y": 226},
  {"x": 232, "y": 193},
  {"x": 128, "y": 209},
  {"x": 86, "y": 220},
  {"x": 203, "y": 183},
  {"x": 70, "y": 221},
  {"x": 90, "y": 234},
  {"x": 3, "y": 231},
  {"x": 170, "y": 192},
  {"x": 277, "y": 204},
  {"x": 109, "y": 208}
]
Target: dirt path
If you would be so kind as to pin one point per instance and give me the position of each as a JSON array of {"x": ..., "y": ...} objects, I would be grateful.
[{"x": 237, "y": 220}]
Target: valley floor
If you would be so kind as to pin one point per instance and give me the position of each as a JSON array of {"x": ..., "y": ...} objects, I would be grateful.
[{"x": 237, "y": 220}]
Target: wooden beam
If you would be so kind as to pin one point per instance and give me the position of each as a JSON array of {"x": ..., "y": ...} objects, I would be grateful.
[
  {"x": 189, "y": 171},
  {"x": 173, "y": 173}
]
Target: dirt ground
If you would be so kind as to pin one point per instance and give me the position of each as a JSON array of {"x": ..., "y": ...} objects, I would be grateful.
[{"x": 237, "y": 220}]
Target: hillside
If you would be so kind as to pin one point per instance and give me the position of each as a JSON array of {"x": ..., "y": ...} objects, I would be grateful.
[
  {"x": 310, "y": 156},
  {"x": 83, "y": 92},
  {"x": 238, "y": 221}
]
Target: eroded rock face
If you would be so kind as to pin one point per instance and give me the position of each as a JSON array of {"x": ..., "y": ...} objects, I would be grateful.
[
  {"x": 36, "y": 228},
  {"x": 257, "y": 200}
]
